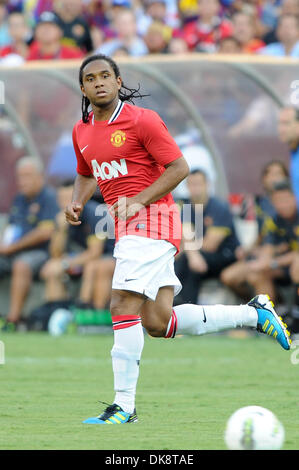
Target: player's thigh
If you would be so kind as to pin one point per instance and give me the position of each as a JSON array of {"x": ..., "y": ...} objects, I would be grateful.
[
  {"x": 156, "y": 314},
  {"x": 125, "y": 302}
]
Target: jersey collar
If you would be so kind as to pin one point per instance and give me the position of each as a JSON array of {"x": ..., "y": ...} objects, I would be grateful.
[{"x": 115, "y": 114}]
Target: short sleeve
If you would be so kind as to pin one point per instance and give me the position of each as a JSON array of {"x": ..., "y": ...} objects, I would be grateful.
[
  {"x": 48, "y": 207},
  {"x": 82, "y": 167},
  {"x": 270, "y": 232},
  {"x": 156, "y": 138},
  {"x": 222, "y": 216}
]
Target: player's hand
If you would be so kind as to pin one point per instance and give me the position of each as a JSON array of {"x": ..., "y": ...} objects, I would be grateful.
[
  {"x": 197, "y": 263},
  {"x": 72, "y": 213},
  {"x": 125, "y": 208}
]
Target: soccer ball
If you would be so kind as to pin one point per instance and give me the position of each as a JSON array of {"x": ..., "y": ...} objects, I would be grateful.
[
  {"x": 59, "y": 321},
  {"x": 254, "y": 428}
]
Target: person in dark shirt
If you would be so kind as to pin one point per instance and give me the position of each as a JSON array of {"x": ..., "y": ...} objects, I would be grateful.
[
  {"x": 75, "y": 28},
  {"x": 279, "y": 257},
  {"x": 235, "y": 275},
  {"x": 218, "y": 239},
  {"x": 24, "y": 244},
  {"x": 75, "y": 250}
]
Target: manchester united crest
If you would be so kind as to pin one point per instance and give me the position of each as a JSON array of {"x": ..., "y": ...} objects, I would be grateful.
[{"x": 118, "y": 138}]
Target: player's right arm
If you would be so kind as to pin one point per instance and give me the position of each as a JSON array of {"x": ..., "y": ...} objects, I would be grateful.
[{"x": 84, "y": 186}]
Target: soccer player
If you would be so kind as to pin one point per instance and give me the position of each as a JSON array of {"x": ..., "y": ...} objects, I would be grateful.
[{"x": 129, "y": 153}]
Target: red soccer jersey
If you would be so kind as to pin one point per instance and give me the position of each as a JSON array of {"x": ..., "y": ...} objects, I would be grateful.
[{"x": 126, "y": 155}]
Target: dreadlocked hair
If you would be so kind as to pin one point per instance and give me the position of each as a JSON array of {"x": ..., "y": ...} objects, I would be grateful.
[{"x": 124, "y": 94}]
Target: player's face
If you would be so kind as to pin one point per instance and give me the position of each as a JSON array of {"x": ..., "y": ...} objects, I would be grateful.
[
  {"x": 197, "y": 186},
  {"x": 273, "y": 175},
  {"x": 100, "y": 85},
  {"x": 285, "y": 204},
  {"x": 29, "y": 180}
]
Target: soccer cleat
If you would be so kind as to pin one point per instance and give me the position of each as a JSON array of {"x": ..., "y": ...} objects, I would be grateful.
[
  {"x": 269, "y": 322},
  {"x": 113, "y": 414}
]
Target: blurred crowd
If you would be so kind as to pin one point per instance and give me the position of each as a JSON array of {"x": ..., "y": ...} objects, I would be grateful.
[
  {"x": 37, "y": 243},
  {"x": 69, "y": 29}
]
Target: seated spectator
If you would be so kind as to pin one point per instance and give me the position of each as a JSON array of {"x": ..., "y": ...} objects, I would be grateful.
[
  {"x": 177, "y": 45},
  {"x": 281, "y": 7},
  {"x": 245, "y": 33},
  {"x": 74, "y": 251},
  {"x": 279, "y": 258},
  {"x": 288, "y": 131},
  {"x": 75, "y": 30},
  {"x": 47, "y": 44},
  {"x": 124, "y": 26},
  {"x": 156, "y": 11},
  {"x": 19, "y": 33},
  {"x": 219, "y": 240},
  {"x": 274, "y": 172},
  {"x": 235, "y": 275},
  {"x": 288, "y": 38},
  {"x": 206, "y": 32},
  {"x": 24, "y": 247},
  {"x": 229, "y": 45},
  {"x": 157, "y": 38},
  {"x": 5, "y": 38}
]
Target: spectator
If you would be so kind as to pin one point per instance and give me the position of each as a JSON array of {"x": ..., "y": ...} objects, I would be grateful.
[
  {"x": 245, "y": 33},
  {"x": 286, "y": 7},
  {"x": 157, "y": 38},
  {"x": 156, "y": 11},
  {"x": 74, "y": 250},
  {"x": 288, "y": 131},
  {"x": 47, "y": 44},
  {"x": 229, "y": 45},
  {"x": 206, "y": 32},
  {"x": 24, "y": 247},
  {"x": 125, "y": 29},
  {"x": 5, "y": 38},
  {"x": 274, "y": 172},
  {"x": 279, "y": 259},
  {"x": 235, "y": 275},
  {"x": 177, "y": 45},
  {"x": 219, "y": 240},
  {"x": 97, "y": 37},
  {"x": 19, "y": 33},
  {"x": 288, "y": 37},
  {"x": 73, "y": 25}
]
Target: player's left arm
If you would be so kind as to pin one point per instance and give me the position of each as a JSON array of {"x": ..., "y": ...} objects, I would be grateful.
[
  {"x": 174, "y": 173},
  {"x": 156, "y": 139}
]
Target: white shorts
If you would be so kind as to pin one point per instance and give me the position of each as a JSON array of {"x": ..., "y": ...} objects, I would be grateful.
[{"x": 144, "y": 265}]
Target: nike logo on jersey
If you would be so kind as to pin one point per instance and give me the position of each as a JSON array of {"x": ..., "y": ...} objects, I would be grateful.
[
  {"x": 82, "y": 150},
  {"x": 204, "y": 315},
  {"x": 127, "y": 280}
]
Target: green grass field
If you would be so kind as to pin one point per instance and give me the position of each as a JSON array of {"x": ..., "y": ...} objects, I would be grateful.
[{"x": 188, "y": 388}]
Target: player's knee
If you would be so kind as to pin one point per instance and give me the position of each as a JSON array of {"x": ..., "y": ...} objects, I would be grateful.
[{"x": 155, "y": 328}]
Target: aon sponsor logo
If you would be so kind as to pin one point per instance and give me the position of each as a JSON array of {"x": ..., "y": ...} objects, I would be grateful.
[{"x": 107, "y": 171}]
